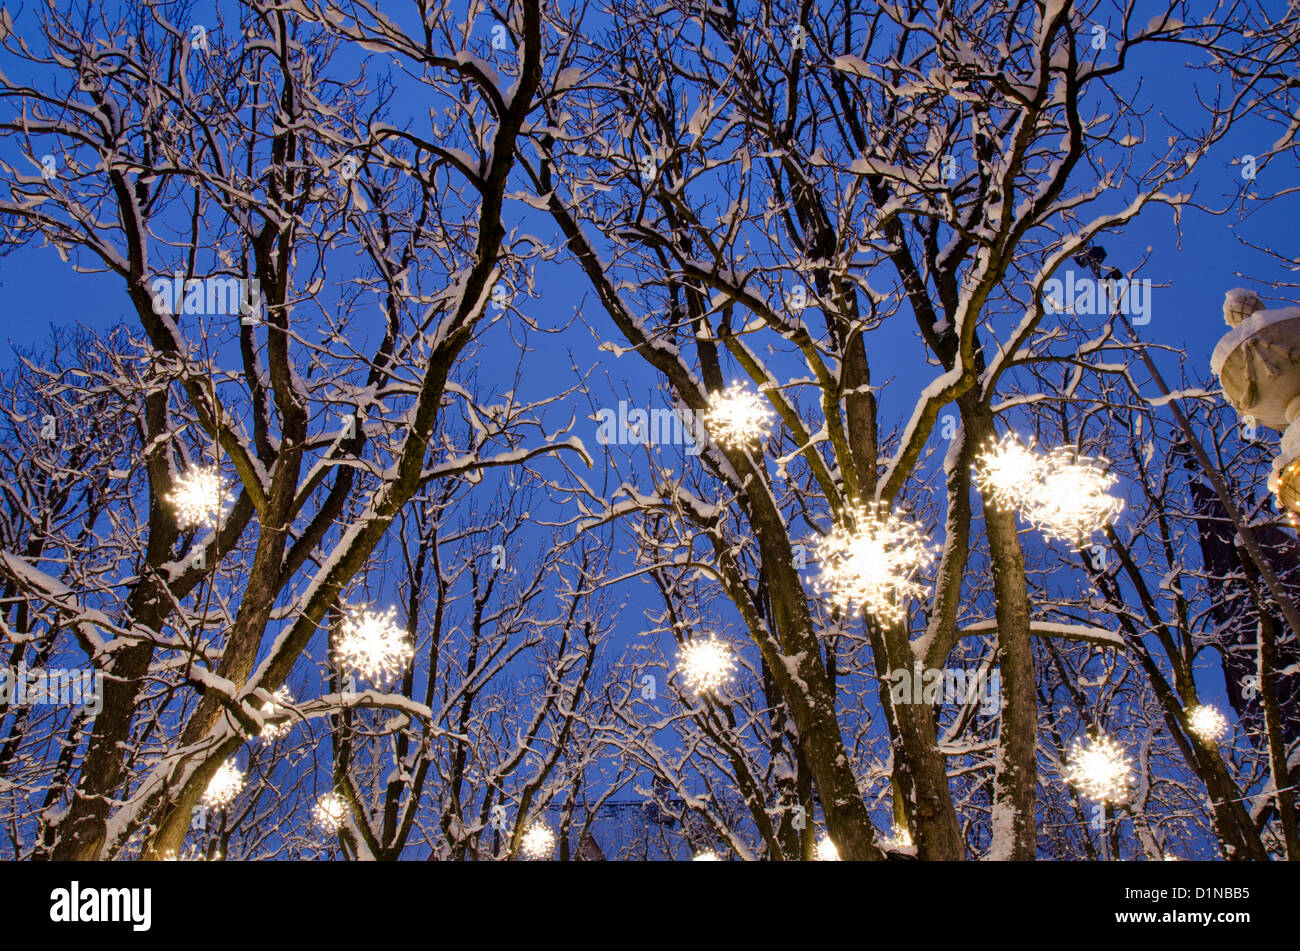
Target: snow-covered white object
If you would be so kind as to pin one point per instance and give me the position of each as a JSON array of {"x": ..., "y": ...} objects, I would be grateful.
[
  {"x": 1238, "y": 304},
  {"x": 273, "y": 731},
  {"x": 1258, "y": 364}
]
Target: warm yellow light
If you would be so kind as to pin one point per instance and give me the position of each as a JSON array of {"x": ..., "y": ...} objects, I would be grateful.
[
  {"x": 373, "y": 643},
  {"x": 1099, "y": 769},
  {"x": 331, "y": 812},
  {"x": 707, "y": 856},
  {"x": 826, "y": 851},
  {"x": 902, "y": 838},
  {"x": 738, "y": 416},
  {"x": 538, "y": 842},
  {"x": 706, "y": 665},
  {"x": 1207, "y": 723},
  {"x": 197, "y": 497},
  {"x": 1008, "y": 472},
  {"x": 226, "y": 784},
  {"x": 1072, "y": 499},
  {"x": 871, "y": 559}
]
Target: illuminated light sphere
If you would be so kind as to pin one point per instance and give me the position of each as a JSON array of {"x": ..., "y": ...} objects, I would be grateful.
[
  {"x": 1072, "y": 499},
  {"x": 273, "y": 731},
  {"x": 331, "y": 812},
  {"x": 871, "y": 559},
  {"x": 1284, "y": 479},
  {"x": 372, "y": 643},
  {"x": 738, "y": 416},
  {"x": 1008, "y": 472},
  {"x": 1099, "y": 769},
  {"x": 538, "y": 842},
  {"x": 826, "y": 851},
  {"x": 706, "y": 664},
  {"x": 707, "y": 856},
  {"x": 226, "y": 784},
  {"x": 197, "y": 497},
  {"x": 902, "y": 837},
  {"x": 1207, "y": 723}
]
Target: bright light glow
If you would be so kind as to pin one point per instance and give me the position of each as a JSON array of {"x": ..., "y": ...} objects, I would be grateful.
[
  {"x": 1207, "y": 723},
  {"x": 902, "y": 838},
  {"x": 738, "y": 416},
  {"x": 226, "y": 784},
  {"x": 198, "y": 498},
  {"x": 707, "y": 856},
  {"x": 1007, "y": 473},
  {"x": 1072, "y": 499},
  {"x": 273, "y": 731},
  {"x": 705, "y": 664},
  {"x": 373, "y": 644},
  {"x": 1099, "y": 769},
  {"x": 871, "y": 558},
  {"x": 826, "y": 851},
  {"x": 331, "y": 812},
  {"x": 538, "y": 842}
]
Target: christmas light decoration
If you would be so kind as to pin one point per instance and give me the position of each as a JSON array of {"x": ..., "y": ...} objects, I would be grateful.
[
  {"x": 826, "y": 851},
  {"x": 538, "y": 842},
  {"x": 331, "y": 812},
  {"x": 1207, "y": 723},
  {"x": 738, "y": 416},
  {"x": 1072, "y": 498},
  {"x": 1008, "y": 472},
  {"x": 197, "y": 497},
  {"x": 707, "y": 856},
  {"x": 705, "y": 664},
  {"x": 871, "y": 559},
  {"x": 902, "y": 838},
  {"x": 273, "y": 731},
  {"x": 226, "y": 784},
  {"x": 373, "y": 643},
  {"x": 1099, "y": 769}
]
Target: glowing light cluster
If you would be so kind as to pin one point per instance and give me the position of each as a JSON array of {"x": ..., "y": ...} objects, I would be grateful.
[
  {"x": 1099, "y": 769},
  {"x": 738, "y": 416},
  {"x": 902, "y": 837},
  {"x": 1063, "y": 494},
  {"x": 1073, "y": 499},
  {"x": 197, "y": 497},
  {"x": 1207, "y": 723},
  {"x": 331, "y": 812},
  {"x": 706, "y": 664},
  {"x": 1008, "y": 472},
  {"x": 871, "y": 559},
  {"x": 226, "y": 784},
  {"x": 372, "y": 643},
  {"x": 826, "y": 851},
  {"x": 538, "y": 842},
  {"x": 273, "y": 731},
  {"x": 707, "y": 856}
]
